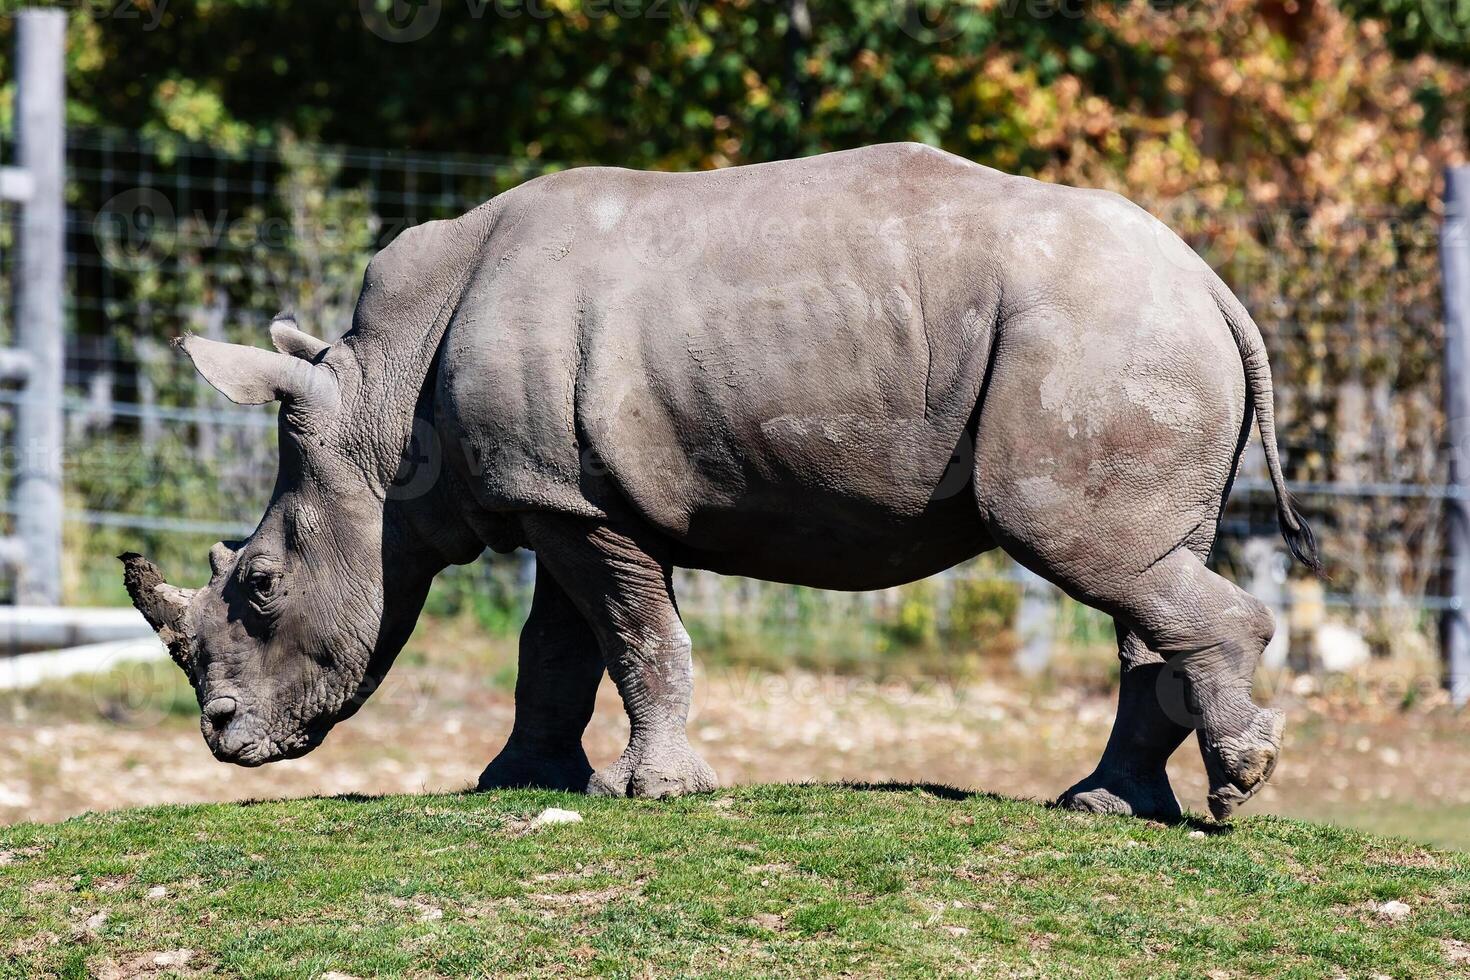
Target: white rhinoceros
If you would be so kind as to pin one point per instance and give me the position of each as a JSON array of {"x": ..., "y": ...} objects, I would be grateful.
[{"x": 848, "y": 371}]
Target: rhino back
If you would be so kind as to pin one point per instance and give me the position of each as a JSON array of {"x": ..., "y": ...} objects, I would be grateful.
[{"x": 797, "y": 347}]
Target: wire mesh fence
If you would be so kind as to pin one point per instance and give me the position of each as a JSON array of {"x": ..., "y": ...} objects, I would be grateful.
[{"x": 165, "y": 237}]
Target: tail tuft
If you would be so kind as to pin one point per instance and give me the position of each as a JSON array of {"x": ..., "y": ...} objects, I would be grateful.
[{"x": 1299, "y": 537}]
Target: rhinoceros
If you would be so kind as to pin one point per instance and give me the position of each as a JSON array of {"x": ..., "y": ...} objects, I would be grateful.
[{"x": 848, "y": 371}]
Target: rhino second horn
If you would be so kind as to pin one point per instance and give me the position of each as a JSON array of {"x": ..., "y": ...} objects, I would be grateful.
[{"x": 161, "y": 604}]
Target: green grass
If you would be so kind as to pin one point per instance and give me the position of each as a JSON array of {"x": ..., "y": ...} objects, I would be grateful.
[{"x": 786, "y": 880}]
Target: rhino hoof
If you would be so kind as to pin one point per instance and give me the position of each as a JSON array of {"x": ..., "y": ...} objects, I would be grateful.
[
  {"x": 1238, "y": 767},
  {"x": 654, "y": 774},
  {"x": 520, "y": 768},
  {"x": 1147, "y": 797}
]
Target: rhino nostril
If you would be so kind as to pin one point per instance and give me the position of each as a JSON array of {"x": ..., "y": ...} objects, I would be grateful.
[{"x": 219, "y": 711}]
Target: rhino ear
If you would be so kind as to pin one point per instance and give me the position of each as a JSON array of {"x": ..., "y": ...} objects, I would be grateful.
[
  {"x": 252, "y": 376},
  {"x": 287, "y": 339}
]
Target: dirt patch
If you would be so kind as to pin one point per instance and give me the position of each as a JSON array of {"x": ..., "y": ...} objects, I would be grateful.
[
  {"x": 1414, "y": 857},
  {"x": 174, "y": 962},
  {"x": 595, "y": 898},
  {"x": 30, "y": 945},
  {"x": 422, "y": 909}
]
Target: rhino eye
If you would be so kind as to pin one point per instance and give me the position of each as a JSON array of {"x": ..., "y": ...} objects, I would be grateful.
[{"x": 262, "y": 583}]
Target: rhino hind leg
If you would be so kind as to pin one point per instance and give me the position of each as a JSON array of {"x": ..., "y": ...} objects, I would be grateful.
[
  {"x": 1207, "y": 635},
  {"x": 1211, "y": 634},
  {"x": 556, "y": 689},
  {"x": 623, "y": 588},
  {"x": 1132, "y": 779}
]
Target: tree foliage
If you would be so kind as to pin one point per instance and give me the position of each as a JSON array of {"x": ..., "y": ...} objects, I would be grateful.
[{"x": 1030, "y": 85}]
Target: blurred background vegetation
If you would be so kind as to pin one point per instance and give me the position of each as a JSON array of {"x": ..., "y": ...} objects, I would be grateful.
[{"x": 1298, "y": 144}]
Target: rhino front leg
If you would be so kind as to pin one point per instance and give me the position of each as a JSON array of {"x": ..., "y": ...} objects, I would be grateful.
[
  {"x": 622, "y": 586},
  {"x": 556, "y": 688},
  {"x": 1131, "y": 778}
]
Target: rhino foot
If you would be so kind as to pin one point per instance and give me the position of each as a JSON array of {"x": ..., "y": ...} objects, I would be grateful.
[
  {"x": 655, "y": 772},
  {"x": 1239, "y": 765},
  {"x": 1145, "y": 795},
  {"x": 520, "y": 767}
]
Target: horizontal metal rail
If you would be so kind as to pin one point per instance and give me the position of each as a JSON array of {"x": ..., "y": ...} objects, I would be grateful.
[
  {"x": 1433, "y": 491},
  {"x": 147, "y": 522},
  {"x": 249, "y": 418}
]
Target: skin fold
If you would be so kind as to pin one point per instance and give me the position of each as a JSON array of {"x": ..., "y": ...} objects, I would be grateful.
[{"x": 848, "y": 371}]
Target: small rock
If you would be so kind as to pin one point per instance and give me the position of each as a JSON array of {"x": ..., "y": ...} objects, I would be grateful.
[
  {"x": 1304, "y": 685},
  {"x": 157, "y": 892},
  {"x": 1196, "y": 833},
  {"x": 553, "y": 815},
  {"x": 957, "y": 930},
  {"x": 172, "y": 958},
  {"x": 96, "y": 921},
  {"x": 1394, "y": 911}
]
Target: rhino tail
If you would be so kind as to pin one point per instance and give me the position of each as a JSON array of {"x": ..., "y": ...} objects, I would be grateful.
[{"x": 1294, "y": 528}]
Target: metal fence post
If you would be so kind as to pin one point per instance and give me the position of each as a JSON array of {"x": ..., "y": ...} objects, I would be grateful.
[
  {"x": 40, "y": 115},
  {"x": 1454, "y": 252}
]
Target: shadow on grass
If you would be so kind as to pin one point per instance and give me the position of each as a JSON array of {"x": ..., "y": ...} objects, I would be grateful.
[
  {"x": 946, "y": 792},
  {"x": 940, "y": 790}
]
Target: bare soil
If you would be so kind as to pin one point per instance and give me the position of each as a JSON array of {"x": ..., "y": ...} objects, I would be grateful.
[{"x": 1376, "y": 750}]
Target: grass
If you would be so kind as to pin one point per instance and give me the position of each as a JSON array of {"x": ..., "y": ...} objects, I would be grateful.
[{"x": 780, "y": 880}]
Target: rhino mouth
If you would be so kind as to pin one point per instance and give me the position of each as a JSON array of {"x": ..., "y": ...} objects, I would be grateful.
[{"x": 250, "y": 750}]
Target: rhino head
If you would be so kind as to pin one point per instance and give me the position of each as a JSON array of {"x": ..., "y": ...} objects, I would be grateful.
[{"x": 300, "y": 621}]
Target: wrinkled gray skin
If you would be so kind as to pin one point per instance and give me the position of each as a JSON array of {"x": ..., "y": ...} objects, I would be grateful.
[{"x": 849, "y": 372}]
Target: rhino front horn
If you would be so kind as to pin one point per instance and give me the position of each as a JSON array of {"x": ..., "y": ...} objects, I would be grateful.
[{"x": 163, "y": 605}]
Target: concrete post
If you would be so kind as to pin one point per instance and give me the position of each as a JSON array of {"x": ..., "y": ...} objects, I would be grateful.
[
  {"x": 40, "y": 114},
  {"x": 1454, "y": 253}
]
